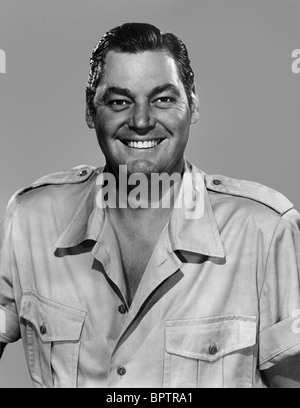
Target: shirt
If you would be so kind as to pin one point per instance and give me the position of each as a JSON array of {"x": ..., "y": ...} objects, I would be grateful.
[{"x": 217, "y": 304}]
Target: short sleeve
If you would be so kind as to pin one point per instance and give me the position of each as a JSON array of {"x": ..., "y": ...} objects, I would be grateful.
[
  {"x": 9, "y": 324},
  {"x": 279, "y": 328}
]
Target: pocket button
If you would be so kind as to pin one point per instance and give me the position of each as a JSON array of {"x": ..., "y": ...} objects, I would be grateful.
[
  {"x": 212, "y": 349},
  {"x": 43, "y": 329}
]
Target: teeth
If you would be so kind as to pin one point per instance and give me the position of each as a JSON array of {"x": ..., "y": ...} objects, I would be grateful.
[{"x": 147, "y": 144}]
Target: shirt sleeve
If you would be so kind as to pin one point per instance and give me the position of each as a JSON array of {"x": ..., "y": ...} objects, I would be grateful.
[
  {"x": 279, "y": 332},
  {"x": 9, "y": 323}
]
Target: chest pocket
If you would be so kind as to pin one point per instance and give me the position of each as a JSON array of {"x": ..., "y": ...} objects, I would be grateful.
[
  {"x": 52, "y": 338},
  {"x": 215, "y": 352}
]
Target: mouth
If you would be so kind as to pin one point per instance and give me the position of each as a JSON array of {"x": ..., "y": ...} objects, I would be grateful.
[{"x": 145, "y": 144}]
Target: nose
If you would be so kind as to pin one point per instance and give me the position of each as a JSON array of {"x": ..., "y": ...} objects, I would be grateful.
[{"x": 141, "y": 120}]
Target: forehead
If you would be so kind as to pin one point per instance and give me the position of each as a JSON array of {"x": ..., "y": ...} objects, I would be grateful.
[{"x": 141, "y": 70}]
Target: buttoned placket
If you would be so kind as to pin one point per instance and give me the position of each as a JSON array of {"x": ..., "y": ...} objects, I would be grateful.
[
  {"x": 106, "y": 250},
  {"x": 162, "y": 264}
]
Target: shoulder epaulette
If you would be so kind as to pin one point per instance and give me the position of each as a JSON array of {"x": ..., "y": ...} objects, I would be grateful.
[
  {"x": 249, "y": 189},
  {"x": 75, "y": 175}
]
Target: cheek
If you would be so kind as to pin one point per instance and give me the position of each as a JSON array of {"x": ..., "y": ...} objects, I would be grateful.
[
  {"x": 104, "y": 127},
  {"x": 109, "y": 124},
  {"x": 176, "y": 119},
  {"x": 180, "y": 128}
]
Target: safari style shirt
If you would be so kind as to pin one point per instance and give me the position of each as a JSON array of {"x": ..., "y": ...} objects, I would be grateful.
[{"x": 218, "y": 302}]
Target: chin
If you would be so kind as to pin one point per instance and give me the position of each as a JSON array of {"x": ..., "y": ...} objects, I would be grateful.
[{"x": 142, "y": 166}]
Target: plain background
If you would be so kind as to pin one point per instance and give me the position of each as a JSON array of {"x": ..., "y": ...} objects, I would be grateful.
[{"x": 241, "y": 54}]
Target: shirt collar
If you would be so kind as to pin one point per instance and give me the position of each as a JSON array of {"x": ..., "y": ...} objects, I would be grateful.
[
  {"x": 192, "y": 227},
  {"x": 87, "y": 221}
]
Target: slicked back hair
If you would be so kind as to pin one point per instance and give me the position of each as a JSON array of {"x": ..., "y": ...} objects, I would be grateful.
[{"x": 134, "y": 38}]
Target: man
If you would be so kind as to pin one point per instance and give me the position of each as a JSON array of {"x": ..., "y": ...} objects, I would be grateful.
[{"x": 107, "y": 290}]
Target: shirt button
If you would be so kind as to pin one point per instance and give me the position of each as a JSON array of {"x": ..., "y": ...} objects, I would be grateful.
[
  {"x": 212, "y": 349},
  {"x": 82, "y": 173},
  {"x": 217, "y": 182},
  {"x": 121, "y": 370},
  {"x": 43, "y": 329},
  {"x": 122, "y": 309}
]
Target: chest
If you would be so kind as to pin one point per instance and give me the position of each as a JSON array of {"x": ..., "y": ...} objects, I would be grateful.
[
  {"x": 136, "y": 247},
  {"x": 136, "y": 252},
  {"x": 135, "y": 255}
]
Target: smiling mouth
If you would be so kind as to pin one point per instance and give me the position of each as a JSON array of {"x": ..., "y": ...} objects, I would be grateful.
[{"x": 146, "y": 144}]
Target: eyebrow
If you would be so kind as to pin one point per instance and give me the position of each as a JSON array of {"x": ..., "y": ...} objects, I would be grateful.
[
  {"x": 118, "y": 91},
  {"x": 163, "y": 88},
  {"x": 126, "y": 92}
]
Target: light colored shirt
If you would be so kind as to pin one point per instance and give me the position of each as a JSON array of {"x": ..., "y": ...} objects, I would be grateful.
[{"x": 218, "y": 302}]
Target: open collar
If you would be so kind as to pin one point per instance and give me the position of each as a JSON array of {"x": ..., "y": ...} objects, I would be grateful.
[{"x": 192, "y": 227}]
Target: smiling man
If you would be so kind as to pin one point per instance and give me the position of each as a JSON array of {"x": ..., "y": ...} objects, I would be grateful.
[
  {"x": 139, "y": 295},
  {"x": 142, "y": 116}
]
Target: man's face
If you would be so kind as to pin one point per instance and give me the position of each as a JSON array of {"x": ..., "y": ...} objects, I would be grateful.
[{"x": 142, "y": 117}]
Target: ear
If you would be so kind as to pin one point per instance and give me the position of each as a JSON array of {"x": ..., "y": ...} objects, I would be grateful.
[
  {"x": 195, "y": 108},
  {"x": 89, "y": 119}
]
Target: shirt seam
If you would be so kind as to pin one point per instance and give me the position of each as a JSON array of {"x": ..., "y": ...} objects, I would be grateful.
[
  {"x": 268, "y": 255},
  {"x": 213, "y": 222},
  {"x": 277, "y": 353}
]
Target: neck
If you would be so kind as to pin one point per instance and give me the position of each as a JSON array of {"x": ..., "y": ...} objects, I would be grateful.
[{"x": 138, "y": 192}]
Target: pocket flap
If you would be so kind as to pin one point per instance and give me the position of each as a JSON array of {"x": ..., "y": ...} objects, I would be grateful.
[
  {"x": 210, "y": 338},
  {"x": 53, "y": 321}
]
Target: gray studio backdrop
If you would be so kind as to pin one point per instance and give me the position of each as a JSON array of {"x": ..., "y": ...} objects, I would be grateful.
[{"x": 241, "y": 51}]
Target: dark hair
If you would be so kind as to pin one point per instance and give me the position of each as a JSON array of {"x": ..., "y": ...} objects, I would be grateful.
[{"x": 134, "y": 38}]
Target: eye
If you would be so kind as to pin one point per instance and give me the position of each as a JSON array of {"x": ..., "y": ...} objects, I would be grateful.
[
  {"x": 164, "y": 101},
  {"x": 118, "y": 104}
]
